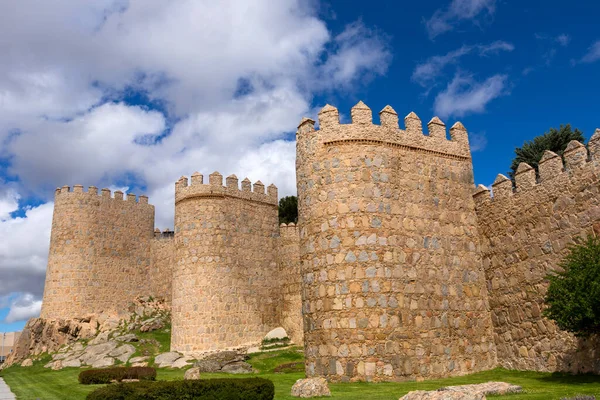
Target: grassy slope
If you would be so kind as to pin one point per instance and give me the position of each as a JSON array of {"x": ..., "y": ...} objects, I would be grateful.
[{"x": 37, "y": 382}]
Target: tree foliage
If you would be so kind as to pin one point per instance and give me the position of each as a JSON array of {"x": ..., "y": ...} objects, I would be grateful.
[
  {"x": 555, "y": 140},
  {"x": 288, "y": 209},
  {"x": 573, "y": 297}
]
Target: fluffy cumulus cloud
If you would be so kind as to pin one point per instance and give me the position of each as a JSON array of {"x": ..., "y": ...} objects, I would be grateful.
[
  {"x": 446, "y": 19},
  {"x": 135, "y": 93},
  {"x": 464, "y": 94},
  {"x": 23, "y": 307}
]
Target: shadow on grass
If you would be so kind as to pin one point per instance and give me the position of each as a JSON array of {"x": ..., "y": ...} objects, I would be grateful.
[{"x": 569, "y": 379}]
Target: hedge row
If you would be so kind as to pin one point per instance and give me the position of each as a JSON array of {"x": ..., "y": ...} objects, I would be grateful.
[
  {"x": 107, "y": 375},
  {"x": 213, "y": 389}
]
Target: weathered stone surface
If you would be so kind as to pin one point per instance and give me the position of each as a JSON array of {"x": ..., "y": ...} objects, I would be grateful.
[
  {"x": 192, "y": 374},
  {"x": 208, "y": 365},
  {"x": 311, "y": 387},
  {"x": 495, "y": 388},
  {"x": 54, "y": 365},
  {"x": 27, "y": 363},
  {"x": 123, "y": 352},
  {"x": 442, "y": 395},
  {"x": 139, "y": 359},
  {"x": 277, "y": 333},
  {"x": 239, "y": 367},
  {"x": 167, "y": 359},
  {"x": 152, "y": 324},
  {"x": 102, "y": 362},
  {"x": 130, "y": 337},
  {"x": 94, "y": 353},
  {"x": 73, "y": 363},
  {"x": 43, "y": 335},
  {"x": 181, "y": 362},
  {"x": 464, "y": 392}
]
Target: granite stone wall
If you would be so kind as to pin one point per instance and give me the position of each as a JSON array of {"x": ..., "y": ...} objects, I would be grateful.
[
  {"x": 162, "y": 249},
  {"x": 99, "y": 255},
  {"x": 525, "y": 234},
  {"x": 225, "y": 284},
  {"x": 288, "y": 262},
  {"x": 393, "y": 287}
]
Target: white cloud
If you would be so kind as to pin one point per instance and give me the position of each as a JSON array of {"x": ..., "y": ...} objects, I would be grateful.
[
  {"x": 445, "y": 20},
  {"x": 426, "y": 73},
  {"x": 9, "y": 202},
  {"x": 22, "y": 308},
  {"x": 357, "y": 49},
  {"x": 464, "y": 95},
  {"x": 593, "y": 53},
  {"x": 563, "y": 39},
  {"x": 24, "y": 250},
  {"x": 477, "y": 141},
  {"x": 232, "y": 79}
]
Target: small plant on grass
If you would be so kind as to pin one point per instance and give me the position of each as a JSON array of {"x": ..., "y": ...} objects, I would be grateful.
[{"x": 573, "y": 297}]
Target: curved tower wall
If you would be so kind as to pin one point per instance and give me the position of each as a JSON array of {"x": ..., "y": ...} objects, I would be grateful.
[
  {"x": 393, "y": 287},
  {"x": 225, "y": 281},
  {"x": 99, "y": 252}
]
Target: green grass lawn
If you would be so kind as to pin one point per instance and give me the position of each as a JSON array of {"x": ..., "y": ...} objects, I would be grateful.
[{"x": 39, "y": 383}]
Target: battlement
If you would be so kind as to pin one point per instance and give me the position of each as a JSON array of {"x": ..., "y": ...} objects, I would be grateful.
[
  {"x": 288, "y": 230},
  {"x": 195, "y": 187},
  {"x": 579, "y": 161},
  {"x": 388, "y": 133},
  {"x": 104, "y": 195},
  {"x": 166, "y": 234}
]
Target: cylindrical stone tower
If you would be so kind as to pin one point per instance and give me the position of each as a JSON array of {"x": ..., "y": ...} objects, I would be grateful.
[
  {"x": 225, "y": 285},
  {"x": 393, "y": 286},
  {"x": 99, "y": 252}
]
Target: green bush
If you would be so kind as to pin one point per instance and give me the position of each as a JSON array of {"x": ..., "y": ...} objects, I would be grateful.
[
  {"x": 573, "y": 296},
  {"x": 107, "y": 375},
  {"x": 210, "y": 389}
]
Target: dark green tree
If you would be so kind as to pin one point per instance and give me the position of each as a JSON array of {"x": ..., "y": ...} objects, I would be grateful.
[
  {"x": 555, "y": 140},
  {"x": 573, "y": 297},
  {"x": 288, "y": 209}
]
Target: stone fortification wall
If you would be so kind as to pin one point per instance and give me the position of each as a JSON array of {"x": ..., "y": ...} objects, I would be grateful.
[
  {"x": 162, "y": 249},
  {"x": 225, "y": 289},
  {"x": 99, "y": 252},
  {"x": 288, "y": 262},
  {"x": 393, "y": 287},
  {"x": 525, "y": 234}
]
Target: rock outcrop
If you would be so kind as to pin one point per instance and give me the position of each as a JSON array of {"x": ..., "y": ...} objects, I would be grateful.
[{"x": 311, "y": 387}]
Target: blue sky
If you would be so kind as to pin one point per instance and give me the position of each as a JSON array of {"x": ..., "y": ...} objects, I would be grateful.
[{"x": 132, "y": 94}]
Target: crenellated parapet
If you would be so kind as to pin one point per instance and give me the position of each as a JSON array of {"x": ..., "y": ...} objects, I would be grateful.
[
  {"x": 105, "y": 194},
  {"x": 288, "y": 230},
  {"x": 195, "y": 187},
  {"x": 388, "y": 133},
  {"x": 579, "y": 162}
]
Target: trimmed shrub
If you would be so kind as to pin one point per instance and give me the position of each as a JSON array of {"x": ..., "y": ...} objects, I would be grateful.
[
  {"x": 210, "y": 389},
  {"x": 107, "y": 375}
]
